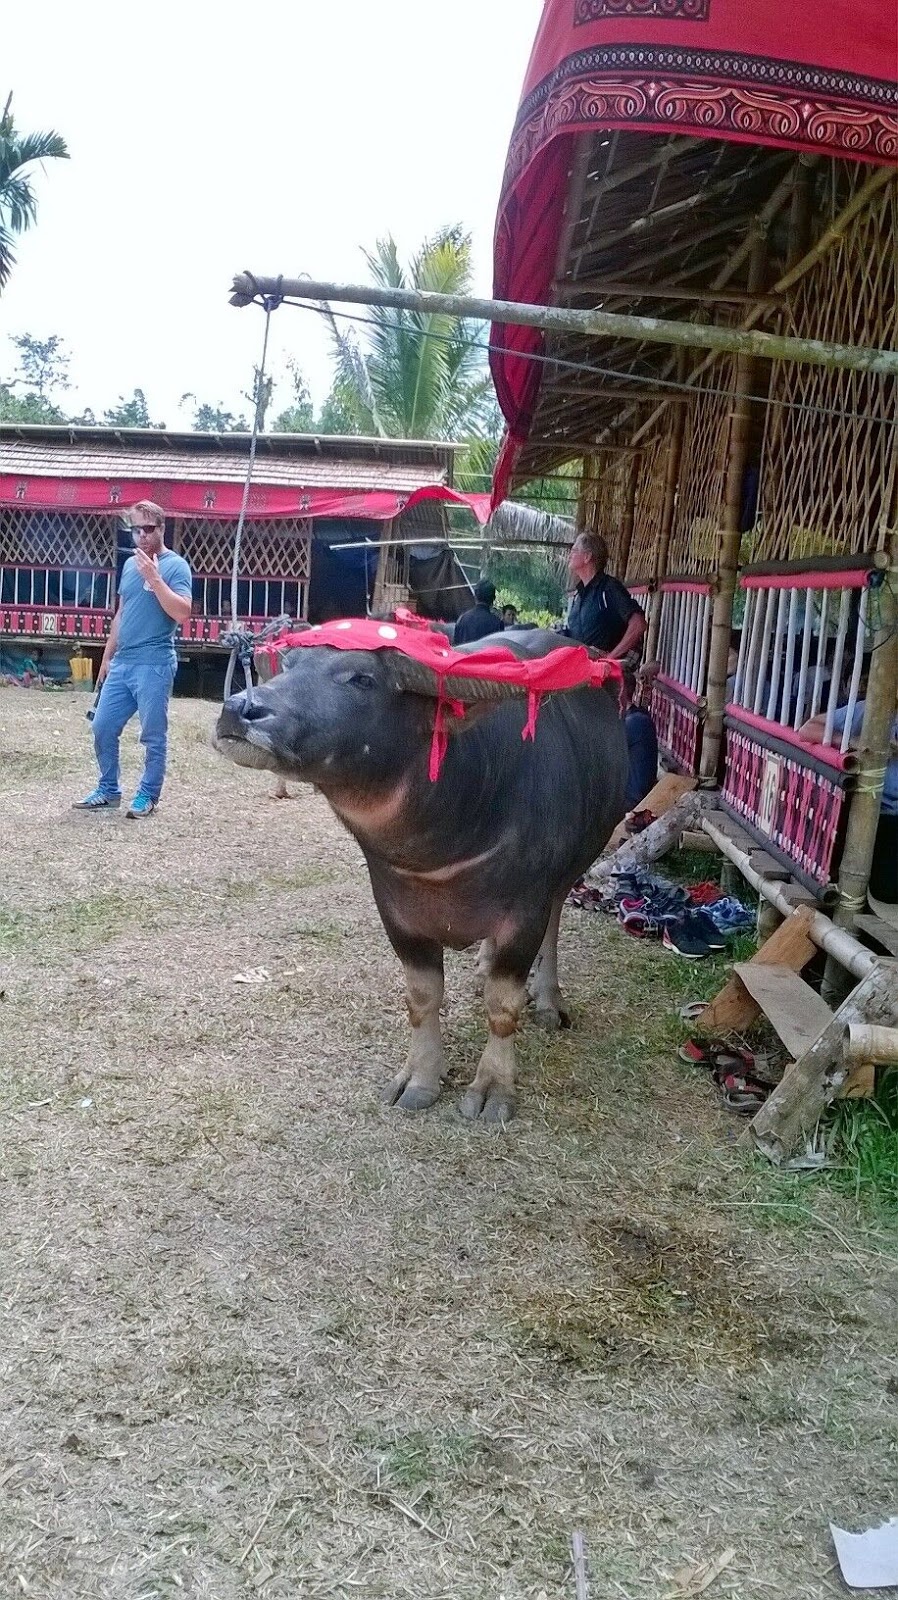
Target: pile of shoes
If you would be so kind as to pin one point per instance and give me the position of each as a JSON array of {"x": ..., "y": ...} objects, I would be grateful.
[{"x": 690, "y": 922}]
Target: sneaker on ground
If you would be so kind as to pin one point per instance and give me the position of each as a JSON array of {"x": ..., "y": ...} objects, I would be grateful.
[
  {"x": 681, "y": 939},
  {"x": 97, "y": 801},
  {"x": 141, "y": 805}
]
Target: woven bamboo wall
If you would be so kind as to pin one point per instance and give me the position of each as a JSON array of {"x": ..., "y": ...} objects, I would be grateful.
[
  {"x": 40, "y": 538},
  {"x": 279, "y": 549},
  {"x": 826, "y": 477},
  {"x": 605, "y": 500},
  {"x": 649, "y": 510},
  {"x": 698, "y": 517}
]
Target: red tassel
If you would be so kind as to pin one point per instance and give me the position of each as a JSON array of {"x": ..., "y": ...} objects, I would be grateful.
[
  {"x": 533, "y": 701},
  {"x": 439, "y": 744}
]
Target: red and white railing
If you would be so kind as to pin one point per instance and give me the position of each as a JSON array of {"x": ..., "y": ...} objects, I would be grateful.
[
  {"x": 678, "y": 698},
  {"x": 801, "y": 657}
]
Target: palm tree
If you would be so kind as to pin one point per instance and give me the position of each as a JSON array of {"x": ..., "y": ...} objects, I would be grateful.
[
  {"x": 18, "y": 202},
  {"x": 414, "y": 375}
]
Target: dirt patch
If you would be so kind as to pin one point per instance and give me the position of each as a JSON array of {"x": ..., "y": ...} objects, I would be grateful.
[
  {"x": 668, "y": 1294},
  {"x": 260, "y": 1337}
]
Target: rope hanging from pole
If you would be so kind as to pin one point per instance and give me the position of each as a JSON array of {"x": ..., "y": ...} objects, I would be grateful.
[{"x": 241, "y": 639}]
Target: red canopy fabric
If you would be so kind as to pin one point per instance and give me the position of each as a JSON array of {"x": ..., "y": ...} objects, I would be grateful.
[
  {"x": 568, "y": 667},
  {"x": 211, "y": 500},
  {"x": 769, "y": 72}
]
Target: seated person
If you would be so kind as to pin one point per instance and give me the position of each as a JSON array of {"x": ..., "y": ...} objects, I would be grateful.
[
  {"x": 509, "y": 616},
  {"x": 642, "y": 746},
  {"x": 732, "y": 665},
  {"x": 883, "y": 884},
  {"x": 481, "y": 619},
  {"x": 603, "y": 614}
]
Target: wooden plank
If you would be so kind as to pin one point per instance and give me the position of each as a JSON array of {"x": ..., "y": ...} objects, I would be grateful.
[
  {"x": 860, "y": 1083},
  {"x": 787, "y": 1118},
  {"x": 667, "y": 791},
  {"x": 693, "y": 840},
  {"x": 765, "y": 866},
  {"x": 795, "y": 1012},
  {"x": 876, "y": 929},
  {"x": 790, "y": 946}
]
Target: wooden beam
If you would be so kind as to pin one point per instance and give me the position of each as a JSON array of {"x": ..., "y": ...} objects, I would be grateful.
[
  {"x": 556, "y": 319},
  {"x": 796, "y": 1105},
  {"x": 603, "y": 287},
  {"x": 733, "y": 1009}
]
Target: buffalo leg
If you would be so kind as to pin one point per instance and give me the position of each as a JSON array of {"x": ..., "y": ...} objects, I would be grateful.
[
  {"x": 486, "y": 955},
  {"x": 492, "y": 1093},
  {"x": 418, "y": 1084},
  {"x": 542, "y": 985}
]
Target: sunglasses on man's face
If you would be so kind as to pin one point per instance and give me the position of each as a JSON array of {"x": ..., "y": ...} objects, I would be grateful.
[{"x": 144, "y": 527}]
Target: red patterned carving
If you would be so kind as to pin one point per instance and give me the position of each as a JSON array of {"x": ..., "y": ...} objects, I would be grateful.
[
  {"x": 797, "y": 808},
  {"x": 671, "y": 10}
]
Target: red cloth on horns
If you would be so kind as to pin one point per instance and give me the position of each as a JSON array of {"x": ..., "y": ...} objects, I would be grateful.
[{"x": 568, "y": 667}]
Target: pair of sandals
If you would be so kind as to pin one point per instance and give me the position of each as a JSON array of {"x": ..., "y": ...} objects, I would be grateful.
[{"x": 743, "y": 1078}]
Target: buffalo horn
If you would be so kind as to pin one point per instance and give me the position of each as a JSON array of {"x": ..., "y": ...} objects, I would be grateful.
[{"x": 416, "y": 678}]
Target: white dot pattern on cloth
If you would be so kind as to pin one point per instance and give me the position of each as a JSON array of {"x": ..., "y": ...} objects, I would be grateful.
[
  {"x": 343, "y": 625},
  {"x": 387, "y": 633}
]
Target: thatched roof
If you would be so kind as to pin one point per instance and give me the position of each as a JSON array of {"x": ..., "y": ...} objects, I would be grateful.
[{"x": 515, "y": 524}]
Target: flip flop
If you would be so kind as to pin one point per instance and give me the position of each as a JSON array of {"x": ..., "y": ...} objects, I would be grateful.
[
  {"x": 742, "y": 1094},
  {"x": 692, "y": 1010},
  {"x": 721, "y": 1058}
]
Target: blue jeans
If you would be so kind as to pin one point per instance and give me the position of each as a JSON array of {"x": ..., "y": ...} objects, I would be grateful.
[{"x": 131, "y": 687}]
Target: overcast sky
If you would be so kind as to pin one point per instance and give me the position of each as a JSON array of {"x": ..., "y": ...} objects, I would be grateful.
[{"x": 205, "y": 139}]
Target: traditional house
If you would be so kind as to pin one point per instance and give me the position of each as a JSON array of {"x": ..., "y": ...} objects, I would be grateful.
[
  {"x": 705, "y": 161},
  {"x": 63, "y": 539}
]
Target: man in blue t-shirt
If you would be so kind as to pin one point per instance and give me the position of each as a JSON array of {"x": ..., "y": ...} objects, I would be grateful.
[{"x": 139, "y": 663}]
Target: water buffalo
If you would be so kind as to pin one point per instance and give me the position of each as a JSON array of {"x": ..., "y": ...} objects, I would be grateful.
[{"x": 487, "y": 852}]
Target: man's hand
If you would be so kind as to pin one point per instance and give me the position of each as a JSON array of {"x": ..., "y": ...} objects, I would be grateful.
[{"x": 147, "y": 568}]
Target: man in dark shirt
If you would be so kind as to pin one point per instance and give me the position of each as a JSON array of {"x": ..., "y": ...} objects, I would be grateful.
[
  {"x": 603, "y": 613},
  {"x": 481, "y": 619}
]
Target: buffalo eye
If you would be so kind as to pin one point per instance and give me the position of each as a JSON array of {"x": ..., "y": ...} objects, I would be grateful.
[{"x": 357, "y": 680}]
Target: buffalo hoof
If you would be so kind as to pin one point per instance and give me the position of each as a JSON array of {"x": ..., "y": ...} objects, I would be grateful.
[
  {"x": 406, "y": 1096},
  {"x": 496, "y": 1106},
  {"x": 551, "y": 1018}
]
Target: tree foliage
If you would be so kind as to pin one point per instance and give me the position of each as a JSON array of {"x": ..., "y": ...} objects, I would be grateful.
[
  {"x": 214, "y": 419},
  {"x": 409, "y": 374},
  {"x": 133, "y": 413},
  {"x": 19, "y": 154},
  {"x": 31, "y": 394},
  {"x": 299, "y": 415}
]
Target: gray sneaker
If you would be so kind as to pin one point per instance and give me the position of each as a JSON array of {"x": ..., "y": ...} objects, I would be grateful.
[{"x": 98, "y": 801}]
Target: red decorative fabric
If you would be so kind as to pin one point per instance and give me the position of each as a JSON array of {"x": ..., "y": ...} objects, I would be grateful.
[
  {"x": 568, "y": 667},
  {"x": 768, "y": 73},
  {"x": 211, "y": 500}
]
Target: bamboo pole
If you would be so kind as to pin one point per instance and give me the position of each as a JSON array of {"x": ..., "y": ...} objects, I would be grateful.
[
  {"x": 879, "y": 711},
  {"x": 837, "y": 942},
  {"x": 867, "y": 1042},
  {"x": 629, "y": 517},
  {"x": 620, "y": 289},
  {"x": 592, "y": 323},
  {"x": 730, "y": 540},
  {"x": 671, "y": 484}
]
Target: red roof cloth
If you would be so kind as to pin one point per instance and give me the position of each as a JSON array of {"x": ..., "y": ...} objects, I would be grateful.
[
  {"x": 217, "y": 499},
  {"x": 764, "y": 72},
  {"x": 568, "y": 667}
]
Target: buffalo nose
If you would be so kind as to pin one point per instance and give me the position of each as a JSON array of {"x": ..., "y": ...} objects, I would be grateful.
[{"x": 246, "y": 708}]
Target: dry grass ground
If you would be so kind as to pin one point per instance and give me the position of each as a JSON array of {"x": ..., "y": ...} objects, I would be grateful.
[{"x": 261, "y": 1337}]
